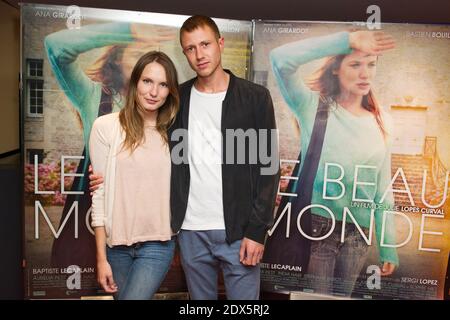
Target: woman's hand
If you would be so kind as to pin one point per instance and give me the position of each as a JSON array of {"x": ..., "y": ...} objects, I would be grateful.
[
  {"x": 387, "y": 269},
  {"x": 371, "y": 42},
  {"x": 152, "y": 35},
  {"x": 105, "y": 277}
]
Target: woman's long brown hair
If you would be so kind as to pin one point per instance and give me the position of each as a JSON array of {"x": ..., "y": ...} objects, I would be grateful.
[
  {"x": 327, "y": 84},
  {"x": 107, "y": 70}
]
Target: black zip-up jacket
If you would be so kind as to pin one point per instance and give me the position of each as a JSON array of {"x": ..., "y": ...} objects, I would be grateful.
[{"x": 248, "y": 196}]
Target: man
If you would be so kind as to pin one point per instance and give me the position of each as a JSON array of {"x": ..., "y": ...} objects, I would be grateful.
[{"x": 221, "y": 209}]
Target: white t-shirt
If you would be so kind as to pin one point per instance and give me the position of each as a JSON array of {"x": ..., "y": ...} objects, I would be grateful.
[{"x": 205, "y": 203}]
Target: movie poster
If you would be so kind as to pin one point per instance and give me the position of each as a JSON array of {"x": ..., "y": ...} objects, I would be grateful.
[
  {"x": 75, "y": 65},
  {"x": 362, "y": 210}
]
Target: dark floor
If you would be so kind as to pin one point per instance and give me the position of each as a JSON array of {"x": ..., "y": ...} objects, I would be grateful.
[{"x": 11, "y": 281}]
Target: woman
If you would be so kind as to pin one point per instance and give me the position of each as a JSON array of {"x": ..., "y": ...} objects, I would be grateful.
[
  {"x": 355, "y": 136},
  {"x": 93, "y": 92},
  {"x": 131, "y": 209}
]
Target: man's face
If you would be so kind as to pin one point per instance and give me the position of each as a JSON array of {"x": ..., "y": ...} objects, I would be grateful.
[{"x": 202, "y": 50}]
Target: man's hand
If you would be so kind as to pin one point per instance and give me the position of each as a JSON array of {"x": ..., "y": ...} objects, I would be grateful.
[
  {"x": 251, "y": 252},
  {"x": 94, "y": 180}
]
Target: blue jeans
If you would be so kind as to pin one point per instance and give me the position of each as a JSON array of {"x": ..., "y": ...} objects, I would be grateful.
[
  {"x": 334, "y": 266},
  {"x": 139, "y": 269},
  {"x": 203, "y": 253}
]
